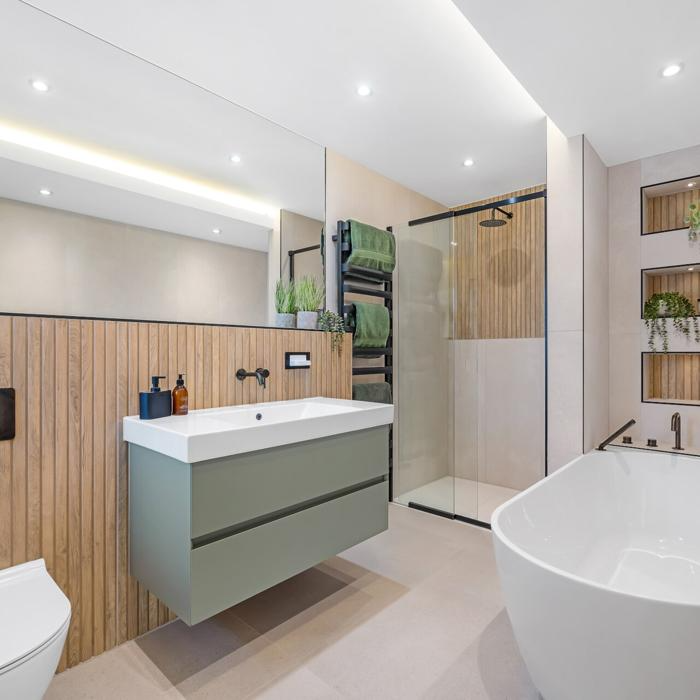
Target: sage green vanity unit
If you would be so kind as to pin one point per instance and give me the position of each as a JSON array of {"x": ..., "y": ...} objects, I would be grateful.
[{"x": 206, "y": 535}]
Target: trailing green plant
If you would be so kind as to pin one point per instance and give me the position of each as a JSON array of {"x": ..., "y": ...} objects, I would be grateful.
[
  {"x": 285, "y": 297},
  {"x": 662, "y": 306},
  {"x": 331, "y": 322},
  {"x": 693, "y": 221},
  {"x": 309, "y": 294}
]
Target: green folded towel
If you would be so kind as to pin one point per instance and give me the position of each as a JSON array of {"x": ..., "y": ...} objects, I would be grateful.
[
  {"x": 372, "y": 325},
  {"x": 371, "y": 247},
  {"x": 376, "y": 392}
]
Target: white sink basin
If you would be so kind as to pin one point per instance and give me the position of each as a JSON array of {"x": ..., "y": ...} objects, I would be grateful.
[{"x": 218, "y": 432}]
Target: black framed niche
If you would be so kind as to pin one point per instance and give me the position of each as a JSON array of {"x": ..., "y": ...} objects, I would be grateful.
[{"x": 664, "y": 206}]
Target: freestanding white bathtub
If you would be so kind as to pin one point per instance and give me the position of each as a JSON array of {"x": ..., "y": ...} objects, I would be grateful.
[{"x": 600, "y": 568}]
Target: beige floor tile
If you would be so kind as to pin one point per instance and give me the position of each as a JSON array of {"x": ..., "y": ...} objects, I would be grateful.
[
  {"x": 406, "y": 553},
  {"x": 297, "y": 685},
  {"x": 123, "y": 672},
  {"x": 415, "y": 612},
  {"x": 489, "y": 669}
]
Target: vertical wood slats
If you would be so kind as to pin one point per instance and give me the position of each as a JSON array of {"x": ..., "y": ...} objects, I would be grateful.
[
  {"x": 667, "y": 212},
  {"x": 684, "y": 282},
  {"x": 672, "y": 377},
  {"x": 499, "y": 272},
  {"x": 63, "y": 479}
]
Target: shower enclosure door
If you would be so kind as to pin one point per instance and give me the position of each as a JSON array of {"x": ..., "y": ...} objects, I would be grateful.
[
  {"x": 470, "y": 371},
  {"x": 424, "y": 385}
]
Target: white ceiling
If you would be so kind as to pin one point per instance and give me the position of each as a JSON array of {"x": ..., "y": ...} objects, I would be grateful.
[
  {"x": 440, "y": 93},
  {"x": 594, "y": 67}
]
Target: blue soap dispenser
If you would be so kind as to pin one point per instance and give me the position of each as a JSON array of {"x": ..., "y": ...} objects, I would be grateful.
[{"x": 155, "y": 403}]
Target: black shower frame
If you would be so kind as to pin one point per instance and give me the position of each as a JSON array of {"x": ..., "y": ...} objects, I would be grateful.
[{"x": 540, "y": 194}]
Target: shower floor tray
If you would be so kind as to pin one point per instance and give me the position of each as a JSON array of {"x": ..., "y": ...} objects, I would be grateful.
[{"x": 472, "y": 499}]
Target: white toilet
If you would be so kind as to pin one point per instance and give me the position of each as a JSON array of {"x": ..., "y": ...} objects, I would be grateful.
[{"x": 34, "y": 619}]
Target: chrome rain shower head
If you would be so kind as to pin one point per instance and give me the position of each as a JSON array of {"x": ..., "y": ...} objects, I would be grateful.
[{"x": 493, "y": 221}]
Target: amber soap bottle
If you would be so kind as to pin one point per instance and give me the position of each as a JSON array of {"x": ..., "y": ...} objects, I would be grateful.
[{"x": 180, "y": 397}]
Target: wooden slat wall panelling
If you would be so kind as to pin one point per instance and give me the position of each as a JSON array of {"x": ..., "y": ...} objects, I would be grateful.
[
  {"x": 671, "y": 377},
  {"x": 682, "y": 281},
  {"x": 667, "y": 212},
  {"x": 64, "y": 478},
  {"x": 6, "y": 510},
  {"x": 499, "y": 272}
]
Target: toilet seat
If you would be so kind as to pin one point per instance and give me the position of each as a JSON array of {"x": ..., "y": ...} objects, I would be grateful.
[{"x": 33, "y": 613}]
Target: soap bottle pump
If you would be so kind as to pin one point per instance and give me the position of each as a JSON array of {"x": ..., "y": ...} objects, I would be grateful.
[
  {"x": 180, "y": 396},
  {"x": 154, "y": 403}
]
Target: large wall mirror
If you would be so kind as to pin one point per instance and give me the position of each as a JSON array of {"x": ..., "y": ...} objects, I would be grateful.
[{"x": 128, "y": 192}]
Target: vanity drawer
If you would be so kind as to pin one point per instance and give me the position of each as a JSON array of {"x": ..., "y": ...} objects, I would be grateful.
[
  {"x": 241, "y": 488},
  {"x": 222, "y": 573}
]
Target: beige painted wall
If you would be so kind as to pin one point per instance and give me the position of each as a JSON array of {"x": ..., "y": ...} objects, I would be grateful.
[
  {"x": 356, "y": 192},
  {"x": 564, "y": 297},
  {"x": 577, "y": 296},
  {"x": 596, "y": 335},
  {"x": 60, "y": 263}
]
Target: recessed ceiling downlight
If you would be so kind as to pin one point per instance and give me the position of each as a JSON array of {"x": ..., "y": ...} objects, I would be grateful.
[
  {"x": 235, "y": 158},
  {"x": 216, "y": 231},
  {"x": 40, "y": 85},
  {"x": 673, "y": 69},
  {"x": 692, "y": 184},
  {"x": 364, "y": 90},
  {"x": 45, "y": 192},
  {"x": 468, "y": 163}
]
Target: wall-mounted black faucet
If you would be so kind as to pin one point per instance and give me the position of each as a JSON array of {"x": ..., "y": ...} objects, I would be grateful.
[{"x": 260, "y": 374}]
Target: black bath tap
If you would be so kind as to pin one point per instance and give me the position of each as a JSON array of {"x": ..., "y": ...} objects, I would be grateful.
[
  {"x": 260, "y": 374},
  {"x": 676, "y": 427}
]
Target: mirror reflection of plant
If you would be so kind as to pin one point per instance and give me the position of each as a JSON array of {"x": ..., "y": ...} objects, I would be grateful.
[
  {"x": 662, "y": 306},
  {"x": 693, "y": 221},
  {"x": 285, "y": 302},
  {"x": 309, "y": 294},
  {"x": 331, "y": 322}
]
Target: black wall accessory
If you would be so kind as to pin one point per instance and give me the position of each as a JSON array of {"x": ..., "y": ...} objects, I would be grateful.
[
  {"x": 355, "y": 280},
  {"x": 7, "y": 414},
  {"x": 297, "y": 360}
]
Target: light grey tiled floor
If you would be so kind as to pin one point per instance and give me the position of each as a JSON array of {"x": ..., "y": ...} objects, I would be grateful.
[{"x": 413, "y": 613}]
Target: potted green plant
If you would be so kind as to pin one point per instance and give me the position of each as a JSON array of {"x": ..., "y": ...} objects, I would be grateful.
[
  {"x": 285, "y": 304},
  {"x": 334, "y": 324},
  {"x": 662, "y": 306},
  {"x": 693, "y": 221},
  {"x": 309, "y": 297}
]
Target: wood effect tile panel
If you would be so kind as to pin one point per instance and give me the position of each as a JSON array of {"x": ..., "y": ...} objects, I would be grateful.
[
  {"x": 64, "y": 478},
  {"x": 499, "y": 272}
]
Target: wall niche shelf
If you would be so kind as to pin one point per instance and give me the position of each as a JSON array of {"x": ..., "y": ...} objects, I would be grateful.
[
  {"x": 671, "y": 378},
  {"x": 665, "y": 205},
  {"x": 684, "y": 279}
]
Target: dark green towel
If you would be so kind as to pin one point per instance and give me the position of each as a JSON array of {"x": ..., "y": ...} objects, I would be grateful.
[
  {"x": 377, "y": 392},
  {"x": 371, "y": 247},
  {"x": 372, "y": 325}
]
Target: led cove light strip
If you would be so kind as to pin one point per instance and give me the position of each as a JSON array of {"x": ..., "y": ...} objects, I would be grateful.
[{"x": 78, "y": 154}]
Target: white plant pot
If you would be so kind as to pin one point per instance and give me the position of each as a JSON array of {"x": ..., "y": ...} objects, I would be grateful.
[
  {"x": 285, "y": 320},
  {"x": 663, "y": 310},
  {"x": 307, "y": 319}
]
